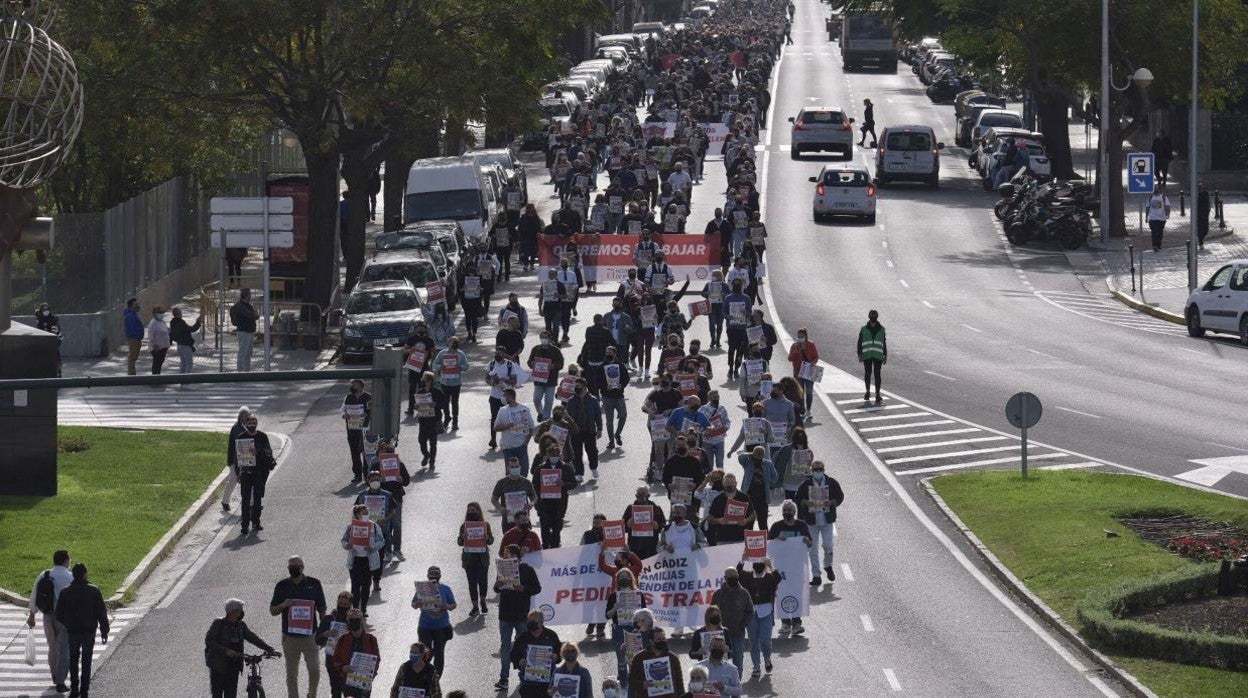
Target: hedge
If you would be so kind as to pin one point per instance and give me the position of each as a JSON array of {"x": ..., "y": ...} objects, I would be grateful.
[{"x": 1102, "y": 618}]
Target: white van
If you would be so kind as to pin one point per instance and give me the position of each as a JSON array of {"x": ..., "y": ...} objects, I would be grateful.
[{"x": 450, "y": 188}]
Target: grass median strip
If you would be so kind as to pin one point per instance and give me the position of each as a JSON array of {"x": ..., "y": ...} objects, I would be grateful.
[
  {"x": 1050, "y": 531},
  {"x": 119, "y": 492}
]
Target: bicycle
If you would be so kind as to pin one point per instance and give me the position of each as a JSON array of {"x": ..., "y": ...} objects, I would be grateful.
[{"x": 255, "y": 689}]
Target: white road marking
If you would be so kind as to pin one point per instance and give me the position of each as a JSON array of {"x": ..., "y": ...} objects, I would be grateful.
[
  {"x": 889, "y": 262},
  {"x": 919, "y": 435},
  {"x": 908, "y": 425},
  {"x": 867, "y": 625},
  {"x": 884, "y": 243},
  {"x": 893, "y": 683},
  {"x": 903, "y": 283},
  {"x": 928, "y": 304},
  {"x": 1047, "y": 356},
  {"x": 972, "y": 328},
  {"x": 954, "y": 454},
  {"x": 1071, "y": 466},
  {"x": 940, "y": 375},
  {"x": 1233, "y": 448},
  {"x": 939, "y": 444},
  {"x": 860, "y": 410},
  {"x": 1086, "y": 414},
  {"x": 846, "y": 572},
  {"x": 889, "y": 416},
  {"x": 978, "y": 463},
  {"x": 1193, "y": 351},
  {"x": 1212, "y": 470}
]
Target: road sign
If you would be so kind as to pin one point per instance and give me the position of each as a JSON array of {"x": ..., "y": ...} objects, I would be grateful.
[
  {"x": 251, "y": 238},
  {"x": 1212, "y": 470},
  {"x": 1023, "y": 410},
  {"x": 252, "y": 222},
  {"x": 1140, "y": 173},
  {"x": 251, "y": 204}
]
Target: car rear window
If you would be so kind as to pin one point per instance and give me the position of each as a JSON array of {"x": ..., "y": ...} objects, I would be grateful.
[
  {"x": 823, "y": 117},
  {"x": 908, "y": 141},
  {"x": 418, "y": 274},
  {"x": 848, "y": 178},
  {"x": 1000, "y": 119},
  {"x": 381, "y": 302}
]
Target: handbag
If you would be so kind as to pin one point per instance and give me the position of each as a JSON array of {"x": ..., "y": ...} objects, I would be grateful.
[{"x": 30, "y": 647}]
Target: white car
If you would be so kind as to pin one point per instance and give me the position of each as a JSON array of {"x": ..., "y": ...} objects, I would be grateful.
[
  {"x": 846, "y": 190},
  {"x": 1221, "y": 304}
]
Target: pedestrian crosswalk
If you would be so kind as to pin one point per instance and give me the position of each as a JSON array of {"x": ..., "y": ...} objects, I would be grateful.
[
  {"x": 202, "y": 407},
  {"x": 20, "y": 679},
  {"x": 1110, "y": 311},
  {"x": 913, "y": 440}
]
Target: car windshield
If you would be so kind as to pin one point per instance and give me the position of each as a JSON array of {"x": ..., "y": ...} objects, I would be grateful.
[
  {"x": 823, "y": 117},
  {"x": 363, "y": 302},
  {"x": 908, "y": 141},
  {"x": 448, "y": 246},
  {"x": 1001, "y": 119},
  {"x": 869, "y": 27},
  {"x": 457, "y": 204},
  {"x": 417, "y": 273},
  {"x": 403, "y": 241},
  {"x": 846, "y": 178},
  {"x": 556, "y": 109}
]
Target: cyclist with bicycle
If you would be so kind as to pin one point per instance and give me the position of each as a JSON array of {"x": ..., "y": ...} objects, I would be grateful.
[{"x": 223, "y": 649}]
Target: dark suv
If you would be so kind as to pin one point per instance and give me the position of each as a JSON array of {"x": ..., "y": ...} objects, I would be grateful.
[{"x": 379, "y": 313}]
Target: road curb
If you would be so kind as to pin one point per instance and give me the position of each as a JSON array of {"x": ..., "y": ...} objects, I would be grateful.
[
  {"x": 165, "y": 545},
  {"x": 1146, "y": 308},
  {"x": 1021, "y": 592}
]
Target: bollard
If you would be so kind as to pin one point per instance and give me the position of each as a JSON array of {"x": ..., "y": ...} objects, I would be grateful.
[
  {"x": 1141, "y": 277},
  {"x": 1182, "y": 203},
  {"x": 1217, "y": 207},
  {"x": 1131, "y": 252}
]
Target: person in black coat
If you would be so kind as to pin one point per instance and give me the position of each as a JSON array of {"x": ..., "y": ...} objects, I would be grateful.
[
  {"x": 1202, "y": 212},
  {"x": 223, "y": 649},
  {"x": 252, "y": 471},
  {"x": 530, "y": 226},
  {"x": 80, "y": 608}
]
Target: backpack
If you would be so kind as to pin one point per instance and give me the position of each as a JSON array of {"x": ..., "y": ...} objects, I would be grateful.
[{"x": 45, "y": 593}]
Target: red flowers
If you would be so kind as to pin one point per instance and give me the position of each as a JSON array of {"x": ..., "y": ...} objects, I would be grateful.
[{"x": 1208, "y": 548}]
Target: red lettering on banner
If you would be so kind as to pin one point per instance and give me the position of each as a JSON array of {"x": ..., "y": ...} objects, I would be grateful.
[{"x": 609, "y": 257}]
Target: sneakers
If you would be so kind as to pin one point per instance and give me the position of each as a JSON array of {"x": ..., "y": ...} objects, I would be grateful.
[
  {"x": 816, "y": 580},
  {"x": 798, "y": 628},
  {"x": 246, "y": 529},
  {"x": 866, "y": 397},
  {"x": 501, "y": 685},
  {"x": 831, "y": 573},
  {"x": 589, "y": 630},
  {"x": 602, "y": 632},
  {"x": 398, "y": 555},
  {"x": 767, "y": 666},
  {"x": 258, "y": 527},
  {"x": 474, "y": 612},
  {"x": 786, "y": 626},
  {"x": 879, "y": 400},
  {"x": 593, "y": 472},
  {"x": 225, "y": 506},
  {"x": 756, "y": 673},
  {"x": 485, "y": 610}
]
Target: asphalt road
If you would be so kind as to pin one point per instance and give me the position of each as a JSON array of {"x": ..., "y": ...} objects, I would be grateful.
[{"x": 970, "y": 324}]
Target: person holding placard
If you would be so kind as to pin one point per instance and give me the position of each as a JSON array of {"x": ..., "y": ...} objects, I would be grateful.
[
  {"x": 416, "y": 677},
  {"x": 534, "y": 654},
  {"x": 449, "y": 367},
  {"x": 731, "y": 512},
  {"x": 435, "y": 601},
  {"x": 237, "y": 431},
  {"x": 515, "y": 592},
  {"x": 300, "y": 601},
  {"x": 789, "y": 526},
  {"x": 643, "y": 519},
  {"x": 761, "y": 333},
  {"x": 568, "y": 285},
  {"x": 418, "y": 350},
  {"x": 737, "y": 307},
  {"x": 796, "y": 461},
  {"x": 762, "y": 584},
  {"x": 487, "y": 267},
  {"x": 522, "y": 534},
  {"x": 817, "y": 499},
  {"x": 781, "y": 414},
  {"x": 553, "y": 479},
  {"x": 719, "y": 422},
  {"x": 804, "y": 355},
  {"x": 357, "y": 408},
  {"x": 759, "y": 479},
  {"x": 475, "y": 537},
  {"x": 655, "y": 672},
  {"x": 571, "y": 679},
  {"x": 512, "y": 493},
  {"x": 755, "y": 431},
  {"x": 381, "y": 510},
  {"x": 585, "y": 414},
  {"x": 712, "y": 628},
  {"x": 333, "y": 626},
  {"x": 253, "y": 463},
  {"x": 515, "y": 422},
  {"x": 718, "y": 674},
  {"x": 683, "y": 467},
  {"x": 529, "y": 226},
  {"x": 614, "y": 377},
  {"x": 545, "y": 362},
  {"x": 623, "y": 603},
  {"x": 357, "y": 657},
  {"x": 363, "y": 540}
]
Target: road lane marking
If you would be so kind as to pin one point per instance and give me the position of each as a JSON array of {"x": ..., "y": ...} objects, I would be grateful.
[
  {"x": 908, "y": 425},
  {"x": 919, "y": 435},
  {"x": 846, "y": 572},
  {"x": 928, "y": 304},
  {"x": 1233, "y": 448},
  {"x": 884, "y": 243},
  {"x": 954, "y": 454},
  {"x": 938, "y": 444},
  {"x": 903, "y": 283},
  {"x": 1047, "y": 356},
  {"x": 1071, "y": 466},
  {"x": 867, "y": 625},
  {"x": 972, "y": 328},
  {"x": 978, "y": 463},
  {"x": 889, "y": 416},
  {"x": 889, "y": 262},
  {"x": 940, "y": 375},
  {"x": 1086, "y": 414},
  {"x": 893, "y": 683},
  {"x": 860, "y": 410},
  {"x": 1193, "y": 351}
]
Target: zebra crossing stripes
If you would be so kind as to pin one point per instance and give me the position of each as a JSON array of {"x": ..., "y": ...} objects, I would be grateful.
[
  {"x": 1109, "y": 311},
  {"x": 203, "y": 407},
  {"x": 912, "y": 440},
  {"x": 19, "y": 679}
]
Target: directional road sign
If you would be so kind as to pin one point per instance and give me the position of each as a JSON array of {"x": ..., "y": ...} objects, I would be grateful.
[
  {"x": 1023, "y": 410},
  {"x": 1212, "y": 470},
  {"x": 252, "y": 221},
  {"x": 251, "y": 238},
  {"x": 1140, "y": 173},
  {"x": 251, "y": 204}
]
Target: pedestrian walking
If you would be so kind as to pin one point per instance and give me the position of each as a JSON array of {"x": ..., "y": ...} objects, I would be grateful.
[
  {"x": 643, "y": 520},
  {"x": 417, "y": 673},
  {"x": 374, "y": 188},
  {"x": 434, "y": 627},
  {"x": 513, "y": 481},
  {"x": 418, "y": 351},
  {"x": 717, "y": 673},
  {"x": 158, "y": 339},
  {"x": 761, "y": 582},
  {"x": 431, "y": 424},
  {"x": 522, "y": 534},
  {"x": 730, "y": 513},
  {"x": 243, "y": 316},
  {"x": 223, "y": 649},
  {"x": 817, "y": 499},
  {"x": 357, "y": 411},
  {"x": 515, "y": 422},
  {"x": 1203, "y": 208},
  {"x": 544, "y": 363},
  {"x": 381, "y": 511},
  {"x": 1158, "y": 213},
  {"x": 1163, "y": 153},
  {"x": 514, "y": 598},
  {"x": 535, "y": 678},
  {"x": 500, "y": 374},
  {"x": 253, "y": 461},
  {"x": 553, "y": 479},
  {"x": 332, "y": 627},
  {"x": 712, "y": 627},
  {"x": 737, "y": 608},
  {"x": 570, "y": 668},
  {"x": 449, "y": 367},
  {"x": 363, "y": 540},
  {"x": 868, "y": 123},
  {"x": 182, "y": 334},
  {"x": 43, "y": 599},
  {"x": 872, "y": 351},
  {"x": 804, "y": 357},
  {"x": 585, "y": 412},
  {"x": 475, "y": 537},
  {"x": 789, "y": 526},
  {"x": 759, "y": 478},
  {"x": 357, "y": 641},
  {"x": 300, "y": 601},
  {"x": 656, "y": 664},
  {"x": 237, "y": 431},
  {"x": 134, "y": 334}
]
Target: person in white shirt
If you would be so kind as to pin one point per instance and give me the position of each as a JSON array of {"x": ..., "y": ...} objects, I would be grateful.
[
  {"x": 53, "y": 630},
  {"x": 158, "y": 339},
  {"x": 681, "y": 181},
  {"x": 1158, "y": 213},
  {"x": 717, "y": 671},
  {"x": 499, "y": 374},
  {"x": 515, "y": 422}
]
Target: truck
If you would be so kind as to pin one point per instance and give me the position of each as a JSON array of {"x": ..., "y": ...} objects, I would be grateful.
[{"x": 868, "y": 38}]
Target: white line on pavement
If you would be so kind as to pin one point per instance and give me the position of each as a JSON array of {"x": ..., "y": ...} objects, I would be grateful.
[
  {"x": 877, "y": 409},
  {"x": 1233, "y": 448},
  {"x": 1085, "y": 414},
  {"x": 919, "y": 435},
  {"x": 889, "y": 262},
  {"x": 978, "y": 463},
  {"x": 1071, "y": 466},
  {"x": 846, "y": 572},
  {"x": 928, "y": 304},
  {"x": 1192, "y": 351},
  {"x": 972, "y": 328},
  {"x": 893, "y": 683},
  {"x": 867, "y": 626},
  {"x": 955, "y": 454},
  {"x": 903, "y": 283},
  {"x": 1047, "y": 356},
  {"x": 910, "y": 425},
  {"x": 889, "y": 416},
  {"x": 938, "y": 444},
  {"x": 940, "y": 375}
]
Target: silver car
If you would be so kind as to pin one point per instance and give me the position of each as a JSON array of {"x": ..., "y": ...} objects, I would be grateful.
[{"x": 822, "y": 128}]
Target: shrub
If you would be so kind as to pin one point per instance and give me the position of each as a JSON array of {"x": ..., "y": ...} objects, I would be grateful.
[{"x": 72, "y": 444}]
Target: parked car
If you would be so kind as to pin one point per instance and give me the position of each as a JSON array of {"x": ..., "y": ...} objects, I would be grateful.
[
  {"x": 992, "y": 118},
  {"x": 1221, "y": 304},
  {"x": 936, "y": 61},
  {"x": 581, "y": 88},
  {"x": 997, "y": 140},
  {"x": 967, "y": 122},
  {"x": 378, "y": 313},
  {"x": 908, "y": 152},
  {"x": 654, "y": 29},
  {"x": 845, "y": 190},
  {"x": 965, "y": 100},
  {"x": 451, "y": 187},
  {"x": 822, "y": 128},
  {"x": 413, "y": 266},
  {"x": 424, "y": 241},
  {"x": 513, "y": 167}
]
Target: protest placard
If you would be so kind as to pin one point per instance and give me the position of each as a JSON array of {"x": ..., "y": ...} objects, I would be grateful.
[
  {"x": 649, "y": 316},
  {"x": 755, "y": 545},
  {"x": 559, "y": 432},
  {"x": 671, "y": 364},
  {"x": 658, "y": 281},
  {"x": 754, "y": 334},
  {"x": 450, "y": 364},
  {"x": 567, "y": 686},
  {"x": 427, "y": 595},
  {"x": 361, "y": 535},
  {"x": 361, "y": 671},
  {"x": 485, "y": 268},
  {"x": 300, "y": 617},
  {"x": 475, "y": 536},
  {"x": 245, "y": 453},
  {"x": 800, "y": 463},
  {"x": 424, "y": 405},
  {"x": 737, "y": 313},
  {"x": 681, "y": 491},
  {"x": 755, "y": 430},
  {"x": 389, "y": 464},
  {"x": 552, "y": 483},
  {"x": 734, "y": 511},
  {"x": 541, "y": 369},
  {"x": 355, "y": 416},
  {"x": 658, "y": 429},
  {"x": 435, "y": 292},
  {"x": 337, "y": 628},
  {"x": 376, "y": 504},
  {"x": 754, "y": 369},
  {"x": 658, "y": 675},
  {"x": 515, "y": 502},
  {"x": 627, "y": 603},
  {"x": 566, "y": 389},
  {"x": 718, "y": 426},
  {"x": 612, "y": 373},
  {"x": 715, "y": 292},
  {"x": 819, "y": 499},
  {"x": 472, "y": 286},
  {"x": 643, "y": 520},
  {"x": 538, "y": 663},
  {"x": 613, "y": 535},
  {"x": 702, "y": 307},
  {"x": 409, "y": 692},
  {"x": 507, "y": 570}
]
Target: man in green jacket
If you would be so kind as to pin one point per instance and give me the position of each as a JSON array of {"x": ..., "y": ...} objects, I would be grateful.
[{"x": 873, "y": 353}]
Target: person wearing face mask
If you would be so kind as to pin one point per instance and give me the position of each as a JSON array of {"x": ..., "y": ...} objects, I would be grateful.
[
  {"x": 522, "y": 534},
  {"x": 591, "y": 536},
  {"x": 782, "y": 415},
  {"x": 363, "y": 553},
  {"x": 534, "y": 681},
  {"x": 182, "y": 334},
  {"x": 332, "y": 627},
  {"x": 804, "y": 351},
  {"x": 761, "y": 582},
  {"x": 514, "y": 309},
  {"x": 737, "y": 609},
  {"x": 586, "y": 414},
  {"x": 470, "y": 285},
  {"x": 717, "y": 673},
  {"x": 158, "y": 339},
  {"x": 681, "y": 464},
  {"x": 513, "y": 611},
  {"x": 305, "y": 595},
  {"x": 620, "y": 324},
  {"x": 594, "y": 351},
  {"x": 643, "y": 668},
  {"x": 789, "y": 526},
  {"x": 872, "y": 351},
  {"x": 418, "y": 673},
  {"x": 817, "y": 499},
  {"x": 515, "y": 422},
  {"x": 487, "y": 265},
  {"x": 513, "y": 481},
  {"x": 551, "y": 506},
  {"x": 394, "y": 483},
  {"x": 713, "y": 437},
  {"x": 759, "y": 479},
  {"x": 763, "y": 436},
  {"x": 625, "y": 582},
  {"x": 356, "y": 639},
  {"x": 611, "y": 688},
  {"x": 544, "y": 389},
  {"x": 686, "y": 415},
  {"x": 671, "y": 355},
  {"x": 237, "y": 431},
  {"x": 550, "y": 298},
  {"x": 697, "y": 362},
  {"x": 449, "y": 367},
  {"x": 511, "y": 339},
  {"x": 643, "y": 536},
  {"x": 680, "y": 535},
  {"x": 475, "y": 537},
  {"x": 429, "y": 426},
  {"x": 253, "y": 473},
  {"x": 614, "y": 377},
  {"x": 389, "y": 508},
  {"x": 572, "y": 667},
  {"x": 357, "y": 408},
  {"x": 736, "y": 308},
  {"x": 768, "y": 344},
  {"x": 417, "y": 363},
  {"x": 729, "y": 522},
  {"x": 566, "y": 276},
  {"x": 223, "y": 649},
  {"x": 547, "y": 430},
  {"x": 712, "y": 627},
  {"x": 434, "y": 628}
]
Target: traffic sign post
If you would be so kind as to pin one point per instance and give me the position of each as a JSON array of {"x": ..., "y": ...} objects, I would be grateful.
[
  {"x": 1024, "y": 410},
  {"x": 1141, "y": 178}
]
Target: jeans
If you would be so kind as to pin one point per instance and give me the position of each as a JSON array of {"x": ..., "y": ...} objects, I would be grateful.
[
  {"x": 223, "y": 684},
  {"x": 132, "y": 358},
  {"x": 355, "y": 442},
  {"x": 80, "y": 647},
  {"x": 335, "y": 681},
  {"x": 759, "y": 502},
  {"x": 521, "y": 453},
  {"x": 543, "y": 400},
  {"x": 361, "y": 574},
  {"x": 186, "y": 358},
  {"x": 495, "y": 405},
  {"x": 427, "y": 437},
  {"x": 586, "y": 451},
  {"x": 809, "y": 388},
  {"x": 716, "y": 452},
  {"x": 507, "y": 632},
  {"x": 158, "y": 360},
  {"x": 452, "y": 402},
  {"x": 621, "y": 661},
  {"x": 736, "y": 347},
  {"x": 294, "y": 648},
  {"x": 1157, "y": 229},
  {"x": 736, "y": 643},
  {"x": 611, "y": 407},
  {"x": 435, "y": 640},
  {"x": 828, "y": 531},
  {"x": 716, "y": 319},
  {"x": 550, "y": 518},
  {"x": 477, "y": 569},
  {"x": 395, "y": 534},
  {"x": 760, "y": 636},
  {"x": 244, "y": 350},
  {"x": 253, "y": 497}
]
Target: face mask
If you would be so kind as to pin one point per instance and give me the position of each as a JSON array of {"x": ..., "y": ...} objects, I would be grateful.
[
  {"x": 533, "y": 626},
  {"x": 524, "y": 526},
  {"x": 717, "y": 655},
  {"x": 730, "y": 489},
  {"x": 294, "y": 570},
  {"x": 374, "y": 485},
  {"x": 759, "y": 568},
  {"x": 712, "y": 620},
  {"x": 609, "y": 693},
  {"x": 733, "y": 582},
  {"x": 569, "y": 658},
  {"x": 473, "y": 516},
  {"x": 682, "y": 450},
  {"x": 514, "y": 472},
  {"x": 581, "y": 391},
  {"x": 695, "y": 686},
  {"x": 817, "y": 473},
  {"x": 660, "y": 646},
  {"x": 678, "y": 519},
  {"x": 355, "y": 624},
  {"x": 416, "y": 658},
  {"x": 788, "y": 516}
]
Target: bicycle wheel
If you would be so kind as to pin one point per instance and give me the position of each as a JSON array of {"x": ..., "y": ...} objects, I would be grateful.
[{"x": 255, "y": 690}]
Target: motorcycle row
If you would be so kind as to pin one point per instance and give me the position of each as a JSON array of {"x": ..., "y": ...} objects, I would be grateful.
[{"x": 1046, "y": 211}]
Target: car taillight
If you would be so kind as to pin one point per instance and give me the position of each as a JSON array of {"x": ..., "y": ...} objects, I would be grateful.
[
  {"x": 935, "y": 153},
  {"x": 844, "y": 125},
  {"x": 870, "y": 190},
  {"x": 819, "y": 190},
  {"x": 799, "y": 126}
]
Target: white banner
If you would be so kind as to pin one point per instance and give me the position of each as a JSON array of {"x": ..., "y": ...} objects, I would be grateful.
[
  {"x": 716, "y": 134},
  {"x": 677, "y": 587}
]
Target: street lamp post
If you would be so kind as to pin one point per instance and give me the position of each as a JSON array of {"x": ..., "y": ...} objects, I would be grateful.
[
  {"x": 1142, "y": 78},
  {"x": 1192, "y": 220}
]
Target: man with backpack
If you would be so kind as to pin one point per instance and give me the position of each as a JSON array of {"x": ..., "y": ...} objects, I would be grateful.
[{"x": 48, "y": 587}]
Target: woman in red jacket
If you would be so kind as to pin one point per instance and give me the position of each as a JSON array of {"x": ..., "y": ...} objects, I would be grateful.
[{"x": 804, "y": 351}]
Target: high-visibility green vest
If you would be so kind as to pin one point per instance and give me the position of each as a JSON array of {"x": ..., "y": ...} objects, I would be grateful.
[{"x": 872, "y": 343}]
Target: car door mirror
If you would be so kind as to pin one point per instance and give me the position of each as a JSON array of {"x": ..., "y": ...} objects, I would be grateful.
[
  {"x": 940, "y": 146},
  {"x": 852, "y": 119},
  {"x": 790, "y": 119},
  {"x": 814, "y": 179}
]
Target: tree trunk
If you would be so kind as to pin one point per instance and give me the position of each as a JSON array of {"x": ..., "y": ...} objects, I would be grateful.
[
  {"x": 1117, "y": 226},
  {"x": 355, "y": 171},
  {"x": 1051, "y": 110},
  {"x": 322, "y": 270},
  {"x": 398, "y": 164}
]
